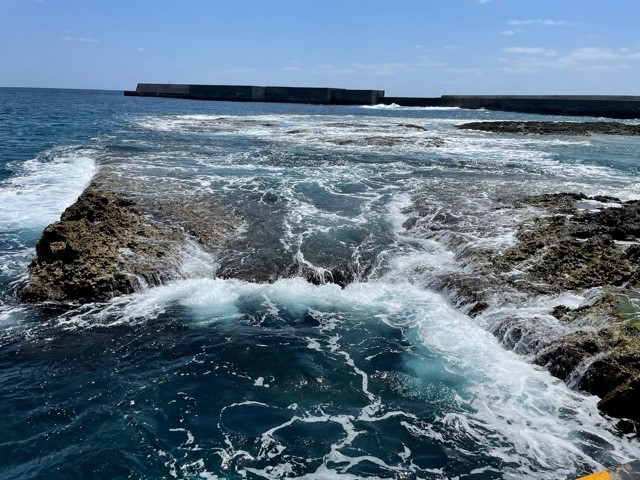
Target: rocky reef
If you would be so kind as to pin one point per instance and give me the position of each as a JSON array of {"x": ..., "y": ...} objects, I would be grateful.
[
  {"x": 587, "y": 246},
  {"x": 105, "y": 245},
  {"x": 574, "y": 249},
  {"x": 101, "y": 247},
  {"x": 555, "y": 128},
  {"x": 578, "y": 250},
  {"x": 116, "y": 239}
]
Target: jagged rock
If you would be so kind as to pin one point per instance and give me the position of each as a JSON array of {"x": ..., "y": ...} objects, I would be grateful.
[
  {"x": 110, "y": 243},
  {"x": 558, "y": 202},
  {"x": 619, "y": 362},
  {"x": 101, "y": 247},
  {"x": 579, "y": 249},
  {"x": 624, "y": 401},
  {"x": 477, "y": 308},
  {"x": 555, "y": 128},
  {"x": 576, "y": 247},
  {"x": 563, "y": 357},
  {"x": 341, "y": 276}
]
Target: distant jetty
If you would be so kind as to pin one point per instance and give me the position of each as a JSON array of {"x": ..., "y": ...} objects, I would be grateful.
[
  {"x": 573, "y": 105},
  {"x": 249, "y": 93}
]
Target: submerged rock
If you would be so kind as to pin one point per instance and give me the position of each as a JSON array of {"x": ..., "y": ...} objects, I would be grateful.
[
  {"x": 341, "y": 276},
  {"x": 413, "y": 126},
  {"x": 555, "y": 128},
  {"x": 427, "y": 142}
]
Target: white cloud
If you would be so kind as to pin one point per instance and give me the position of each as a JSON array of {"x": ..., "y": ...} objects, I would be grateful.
[
  {"x": 508, "y": 32},
  {"x": 595, "y": 53},
  {"x": 140, "y": 49},
  {"x": 545, "y": 22},
  {"x": 483, "y": 1},
  {"x": 532, "y": 51},
  {"x": 531, "y": 60},
  {"x": 81, "y": 39},
  {"x": 291, "y": 69}
]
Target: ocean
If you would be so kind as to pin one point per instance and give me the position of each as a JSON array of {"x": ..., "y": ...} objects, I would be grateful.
[{"x": 211, "y": 376}]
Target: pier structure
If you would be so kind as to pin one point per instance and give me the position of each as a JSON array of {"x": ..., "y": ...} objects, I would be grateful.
[
  {"x": 573, "y": 105},
  {"x": 249, "y": 93},
  {"x": 612, "y": 106}
]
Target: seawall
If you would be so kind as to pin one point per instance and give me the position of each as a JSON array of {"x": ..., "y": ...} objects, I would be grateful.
[
  {"x": 248, "y": 93},
  {"x": 573, "y": 105},
  {"x": 578, "y": 105}
]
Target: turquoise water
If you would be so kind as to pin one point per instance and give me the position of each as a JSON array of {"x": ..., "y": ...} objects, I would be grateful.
[{"x": 212, "y": 377}]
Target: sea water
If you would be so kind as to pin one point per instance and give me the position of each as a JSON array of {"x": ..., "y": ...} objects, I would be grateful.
[{"x": 214, "y": 378}]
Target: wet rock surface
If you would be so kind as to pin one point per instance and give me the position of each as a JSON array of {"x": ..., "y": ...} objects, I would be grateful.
[
  {"x": 427, "y": 142},
  {"x": 574, "y": 244},
  {"x": 110, "y": 243},
  {"x": 100, "y": 248},
  {"x": 106, "y": 244},
  {"x": 555, "y": 128},
  {"x": 577, "y": 249}
]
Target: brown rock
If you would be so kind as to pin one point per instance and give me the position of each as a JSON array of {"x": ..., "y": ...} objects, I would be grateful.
[
  {"x": 624, "y": 401},
  {"x": 555, "y": 128},
  {"x": 101, "y": 247}
]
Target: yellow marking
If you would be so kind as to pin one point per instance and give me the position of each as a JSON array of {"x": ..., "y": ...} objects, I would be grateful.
[{"x": 597, "y": 476}]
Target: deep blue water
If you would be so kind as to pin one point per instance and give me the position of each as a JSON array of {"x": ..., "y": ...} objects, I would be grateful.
[{"x": 207, "y": 377}]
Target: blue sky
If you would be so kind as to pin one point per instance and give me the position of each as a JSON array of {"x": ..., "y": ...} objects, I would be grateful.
[{"x": 406, "y": 47}]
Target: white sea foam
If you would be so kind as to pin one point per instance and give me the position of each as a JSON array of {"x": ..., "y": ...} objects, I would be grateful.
[
  {"x": 35, "y": 196},
  {"x": 516, "y": 411},
  {"x": 395, "y": 106},
  {"x": 42, "y": 189},
  {"x": 407, "y": 138}
]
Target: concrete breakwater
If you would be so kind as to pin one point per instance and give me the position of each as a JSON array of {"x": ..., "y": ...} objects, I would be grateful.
[
  {"x": 248, "y": 93},
  {"x": 574, "y": 105}
]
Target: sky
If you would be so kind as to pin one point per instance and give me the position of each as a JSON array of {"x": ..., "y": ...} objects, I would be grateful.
[{"x": 405, "y": 47}]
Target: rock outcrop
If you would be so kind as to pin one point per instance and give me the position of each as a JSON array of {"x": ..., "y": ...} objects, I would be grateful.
[
  {"x": 584, "y": 245},
  {"x": 101, "y": 247},
  {"x": 555, "y": 128},
  {"x": 110, "y": 243},
  {"x": 576, "y": 251}
]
